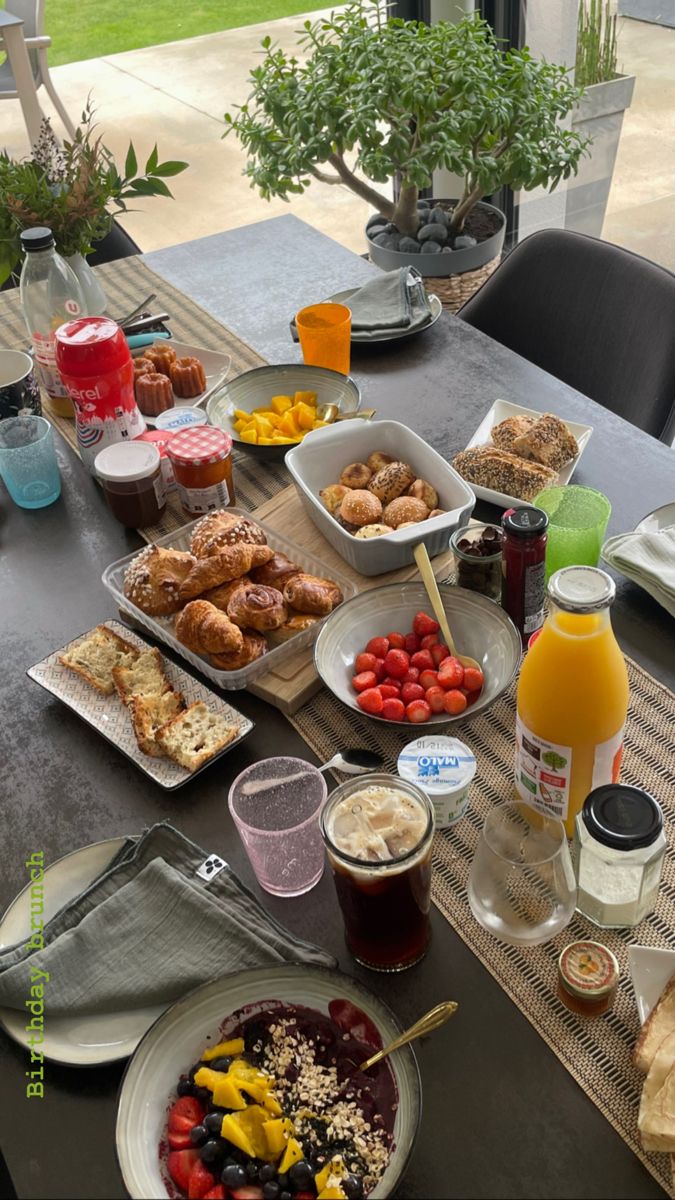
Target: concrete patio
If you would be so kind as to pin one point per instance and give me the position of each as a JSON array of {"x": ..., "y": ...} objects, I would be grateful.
[{"x": 176, "y": 94}]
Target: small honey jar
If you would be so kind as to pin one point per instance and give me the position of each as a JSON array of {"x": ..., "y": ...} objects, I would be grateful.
[{"x": 588, "y": 976}]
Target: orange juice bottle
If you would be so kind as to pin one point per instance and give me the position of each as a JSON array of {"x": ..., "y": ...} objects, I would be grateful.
[{"x": 572, "y": 698}]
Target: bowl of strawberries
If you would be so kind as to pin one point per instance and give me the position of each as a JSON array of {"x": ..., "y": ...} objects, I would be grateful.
[{"x": 382, "y": 654}]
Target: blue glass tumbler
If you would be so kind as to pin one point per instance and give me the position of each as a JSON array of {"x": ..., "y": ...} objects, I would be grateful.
[{"x": 28, "y": 461}]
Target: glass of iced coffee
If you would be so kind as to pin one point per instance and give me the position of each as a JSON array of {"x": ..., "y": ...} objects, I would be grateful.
[{"x": 378, "y": 831}]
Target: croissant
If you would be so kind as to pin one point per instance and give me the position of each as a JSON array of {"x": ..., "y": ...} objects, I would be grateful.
[
  {"x": 254, "y": 647},
  {"x": 221, "y": 595},
  {"x": 253, "y": 606},
  {"x": 206, "y": 630},
  {"x": 309, "y": 594},
  {"x": 227, "y": 564},
  {"x": 219, "y": 529},
  {"x": 276, "y": 572}
]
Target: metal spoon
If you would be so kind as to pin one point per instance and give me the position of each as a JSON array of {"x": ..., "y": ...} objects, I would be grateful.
[
  {"x": 432, "y": 1020},
  {"x": 429, "y": 581},
  {"x": 139, "y": 308},
  {"x": 331, "y": 413},
  {"x": 354, "y": 762}
]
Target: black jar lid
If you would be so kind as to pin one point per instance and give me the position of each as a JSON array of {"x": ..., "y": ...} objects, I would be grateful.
[
  {"x": 525, "y": 522},
  {"x": 622, "y": 817},
  {"x": 38, "y": 238}
]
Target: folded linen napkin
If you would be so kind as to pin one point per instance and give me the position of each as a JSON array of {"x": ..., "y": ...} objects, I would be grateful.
[
  {"x": 146, "y": 931},
  {"x": 649, "y": 560},
  {"x": 394, "y": 301}
]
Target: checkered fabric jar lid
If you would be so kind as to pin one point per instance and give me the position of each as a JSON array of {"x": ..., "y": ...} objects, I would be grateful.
[{"x": 200, "y": 445}]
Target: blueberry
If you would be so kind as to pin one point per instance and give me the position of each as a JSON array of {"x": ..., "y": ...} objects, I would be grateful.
[
  {"x": 267, "y": 1173},
  {"x": 221, "y": 1064},
  {"x": 213, "y": 1122},
  {"x": 193, "y": 1071},
  {"x": 271, "y": 1190},
  {"x": 301, "y": 1176},
  {"x": 198, "y": 1135},
  {"x": 203, "y": 1094},
  {"x": 211, "y": 1151},
  {"x": 282, "y": 1180},
  {"x": 252, "y": 1169},
  {"x": 285, "y": 1196},
  {"x": 352, "y": 1187},
  {"x": 184, "y": 1088},
  {"x": 233, "y": 1176}
]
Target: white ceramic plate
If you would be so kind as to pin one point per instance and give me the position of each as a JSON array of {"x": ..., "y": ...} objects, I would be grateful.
[
  {"x": 501, "y": 409},
  {"x": 358, "y": 337},
  {"x": 481, "y": 628},
  {"x": 108, "y": 715},
  {"x": 84, "y": 1041},
  {"x": 661, "y": 518},
  {"x": 216, "y": 367},
  {"x": 178, "y": 1038},
  {"x": 650, "y": 970}
]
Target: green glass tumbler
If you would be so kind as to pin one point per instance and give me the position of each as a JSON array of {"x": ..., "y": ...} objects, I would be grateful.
[{"x": 577, "y": 522}]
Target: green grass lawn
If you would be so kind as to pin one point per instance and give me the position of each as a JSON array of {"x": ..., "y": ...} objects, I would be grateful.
[{"x": 91, "y": 28}]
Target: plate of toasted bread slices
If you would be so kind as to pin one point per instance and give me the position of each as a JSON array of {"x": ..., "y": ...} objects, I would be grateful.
[
  {"x": 653, "y": 976},
  {"x": 516, "y": 452},
  {"x": 164, "y": 720}
]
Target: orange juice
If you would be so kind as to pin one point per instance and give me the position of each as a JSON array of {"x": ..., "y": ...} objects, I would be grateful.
[{"x": 572, "y": 698}]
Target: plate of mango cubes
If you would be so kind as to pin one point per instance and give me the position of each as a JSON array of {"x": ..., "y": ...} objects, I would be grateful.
[{"x": 271, "y": 408}]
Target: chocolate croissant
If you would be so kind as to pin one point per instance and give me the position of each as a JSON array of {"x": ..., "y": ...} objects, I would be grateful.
[
  {"x": 206, "y": 630},
  {"x": 254, "y": 646},
  {"x": 309, "y": 594},
  {"x": 253, "y": 606},
  {"x": 276, "y": 572}
]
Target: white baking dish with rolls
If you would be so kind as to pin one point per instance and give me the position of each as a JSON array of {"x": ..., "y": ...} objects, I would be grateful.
[{"x": 323, "y": 456}]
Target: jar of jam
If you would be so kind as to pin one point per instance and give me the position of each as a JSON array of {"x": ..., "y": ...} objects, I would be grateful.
[
  {"x": 132, "y": 482},
  {"x": 478, "y": 558},
  {"x": 523, "y": 555},
  {"x": 161, "y": 438},
  {"x": 202, "y": 465},
  {"x": 588, "y": 976}
]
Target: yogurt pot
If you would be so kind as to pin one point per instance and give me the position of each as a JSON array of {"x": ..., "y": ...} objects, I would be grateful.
[
  {"x": 443, "y": 767},
  {"x": 176, "y": 419}
]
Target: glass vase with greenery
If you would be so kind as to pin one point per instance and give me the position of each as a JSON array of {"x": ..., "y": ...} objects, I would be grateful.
[{"x": 76, "y": 189}]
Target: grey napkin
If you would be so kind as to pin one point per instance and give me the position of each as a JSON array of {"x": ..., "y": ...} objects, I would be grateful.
[
  {"x": 146, "y": 931},
  {"x": 394, "y": 300}
]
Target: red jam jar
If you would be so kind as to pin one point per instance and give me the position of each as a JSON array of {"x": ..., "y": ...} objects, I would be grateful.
[
  {"x": 523, "y": 555},
  {"x": 202, "y": 465}
]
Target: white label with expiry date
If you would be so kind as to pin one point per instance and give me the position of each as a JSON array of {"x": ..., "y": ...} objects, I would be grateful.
[{"x": 204, "y": 500}]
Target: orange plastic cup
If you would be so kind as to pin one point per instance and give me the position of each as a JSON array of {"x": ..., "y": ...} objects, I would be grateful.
[{"x": 325, "y": 332}]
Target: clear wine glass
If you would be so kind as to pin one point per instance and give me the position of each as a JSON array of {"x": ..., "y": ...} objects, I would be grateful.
[{"x": 521, "y": 883}]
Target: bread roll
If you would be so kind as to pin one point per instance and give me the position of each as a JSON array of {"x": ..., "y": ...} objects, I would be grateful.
[{"x": 360, "y": 507}]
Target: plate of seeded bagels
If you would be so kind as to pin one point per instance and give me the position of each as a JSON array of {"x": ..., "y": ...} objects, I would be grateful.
[{"x": 228, "y": 593}]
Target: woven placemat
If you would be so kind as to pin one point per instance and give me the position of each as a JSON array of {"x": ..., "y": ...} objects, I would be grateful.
[
  {"x": 126, "y": 282},
  {"x": 596, "y": 1052}
]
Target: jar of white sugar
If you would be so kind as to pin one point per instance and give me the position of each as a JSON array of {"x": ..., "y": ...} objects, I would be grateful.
[{"x": 618, "y": 852}]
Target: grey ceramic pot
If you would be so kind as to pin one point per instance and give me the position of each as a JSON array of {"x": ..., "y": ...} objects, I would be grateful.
[{"x": 454, "y": 263}]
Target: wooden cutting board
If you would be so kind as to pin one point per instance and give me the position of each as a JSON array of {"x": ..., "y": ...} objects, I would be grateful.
[{"x": 295, "y": 681}]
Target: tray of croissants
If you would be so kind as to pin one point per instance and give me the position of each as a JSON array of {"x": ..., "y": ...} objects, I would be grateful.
[{"x": 230, "y": 594}]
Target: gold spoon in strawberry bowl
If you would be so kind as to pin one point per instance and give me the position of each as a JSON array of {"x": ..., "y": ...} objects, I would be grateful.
[{"x": 429, "y": 580}]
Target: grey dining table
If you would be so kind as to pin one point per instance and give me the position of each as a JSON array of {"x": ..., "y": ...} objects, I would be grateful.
[{"x": 502, "y": 1117}]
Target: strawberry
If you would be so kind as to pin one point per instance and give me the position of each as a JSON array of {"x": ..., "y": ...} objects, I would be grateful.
[
  {"x": 377, "y": 646},
  {"x": 180, "y": 1164},
  {"x": 200, "y": 1182},
  {"x": 396, "y": 641},
  {"x": 251, "y": 1193},
  {"x": 427, "y": 642},
  {"x": 411, "y": 691},
  {"x": 186, "y": 1112},
  {"x": 380, "y": 669},
  {"x": 393, "y": 709},
  {"x": 439, "y": 652},
  {"x": 418, "y": 710},
  {"x": 471, "y": 697},
  {"x": 364, "y": 662},
  {"x": 455, "y": 702},
  {"x": 389, "y": 691},
  {"x": 422, "y": 660},
  {"x": 428, "y": 679},
  {"x": 412, "y": 643},
  {"x": 365, "y": 679},
  {"x": 389, "y": 682},
  {"x": 423, "y": 624},
  {"x": 370, "y": 701},
  {"x": 216, "y": 1193},
  {"x": 435, "y": 698},
  {"x": 473, "y": 679},
  {"x": 180, "y": 1141},
  {"x": 450, "y": 673},
  {"x": 412, "y": 675},
  {"x": 396, "y": 663}
]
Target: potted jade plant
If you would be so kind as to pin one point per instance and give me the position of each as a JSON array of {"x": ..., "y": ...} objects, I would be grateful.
[
  {"x": 76, "y": 190},
  {"x": 598, "y": 116},
  {"x": 368, "y": 100}
]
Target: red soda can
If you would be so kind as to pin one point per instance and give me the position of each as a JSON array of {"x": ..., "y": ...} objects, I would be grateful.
[{"x": 96, "y": 368}]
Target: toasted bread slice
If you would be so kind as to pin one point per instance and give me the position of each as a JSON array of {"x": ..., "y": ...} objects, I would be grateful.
[
  {"x": 659, "y": 1023},
  {"x": 150, "y": 713},
  {"x": 194, "y": 736},
  {"x": 97, "y": 656},
  {"x": 656, "y": 1077},
  {"x": 143, "y": 677},
  {"x": 657, "y": 1131},
  {"x": 549, "y": 442},
  {"x": 502, "y": 471}
]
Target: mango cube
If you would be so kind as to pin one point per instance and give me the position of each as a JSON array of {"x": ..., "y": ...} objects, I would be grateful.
[
  {"x": 292, "y": 1154},
  {"x": 277, "y": 1133},
  {"x": 245, "y": 1130},
  {"x": 249, "y": 435},
  {"x": 226, "y": 1094},
  {"x": 334, "y": 1192},
  {"x": 281, "y": 404},
  {"x": 305, "y": 415},
  {"x": 288, "y": 426},
  {"x": 209, "y": 1078},
  {"x": 305, "y": 398}
]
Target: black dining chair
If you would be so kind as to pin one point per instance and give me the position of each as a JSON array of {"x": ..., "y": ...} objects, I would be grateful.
[{"x": 598, "y": 317}]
